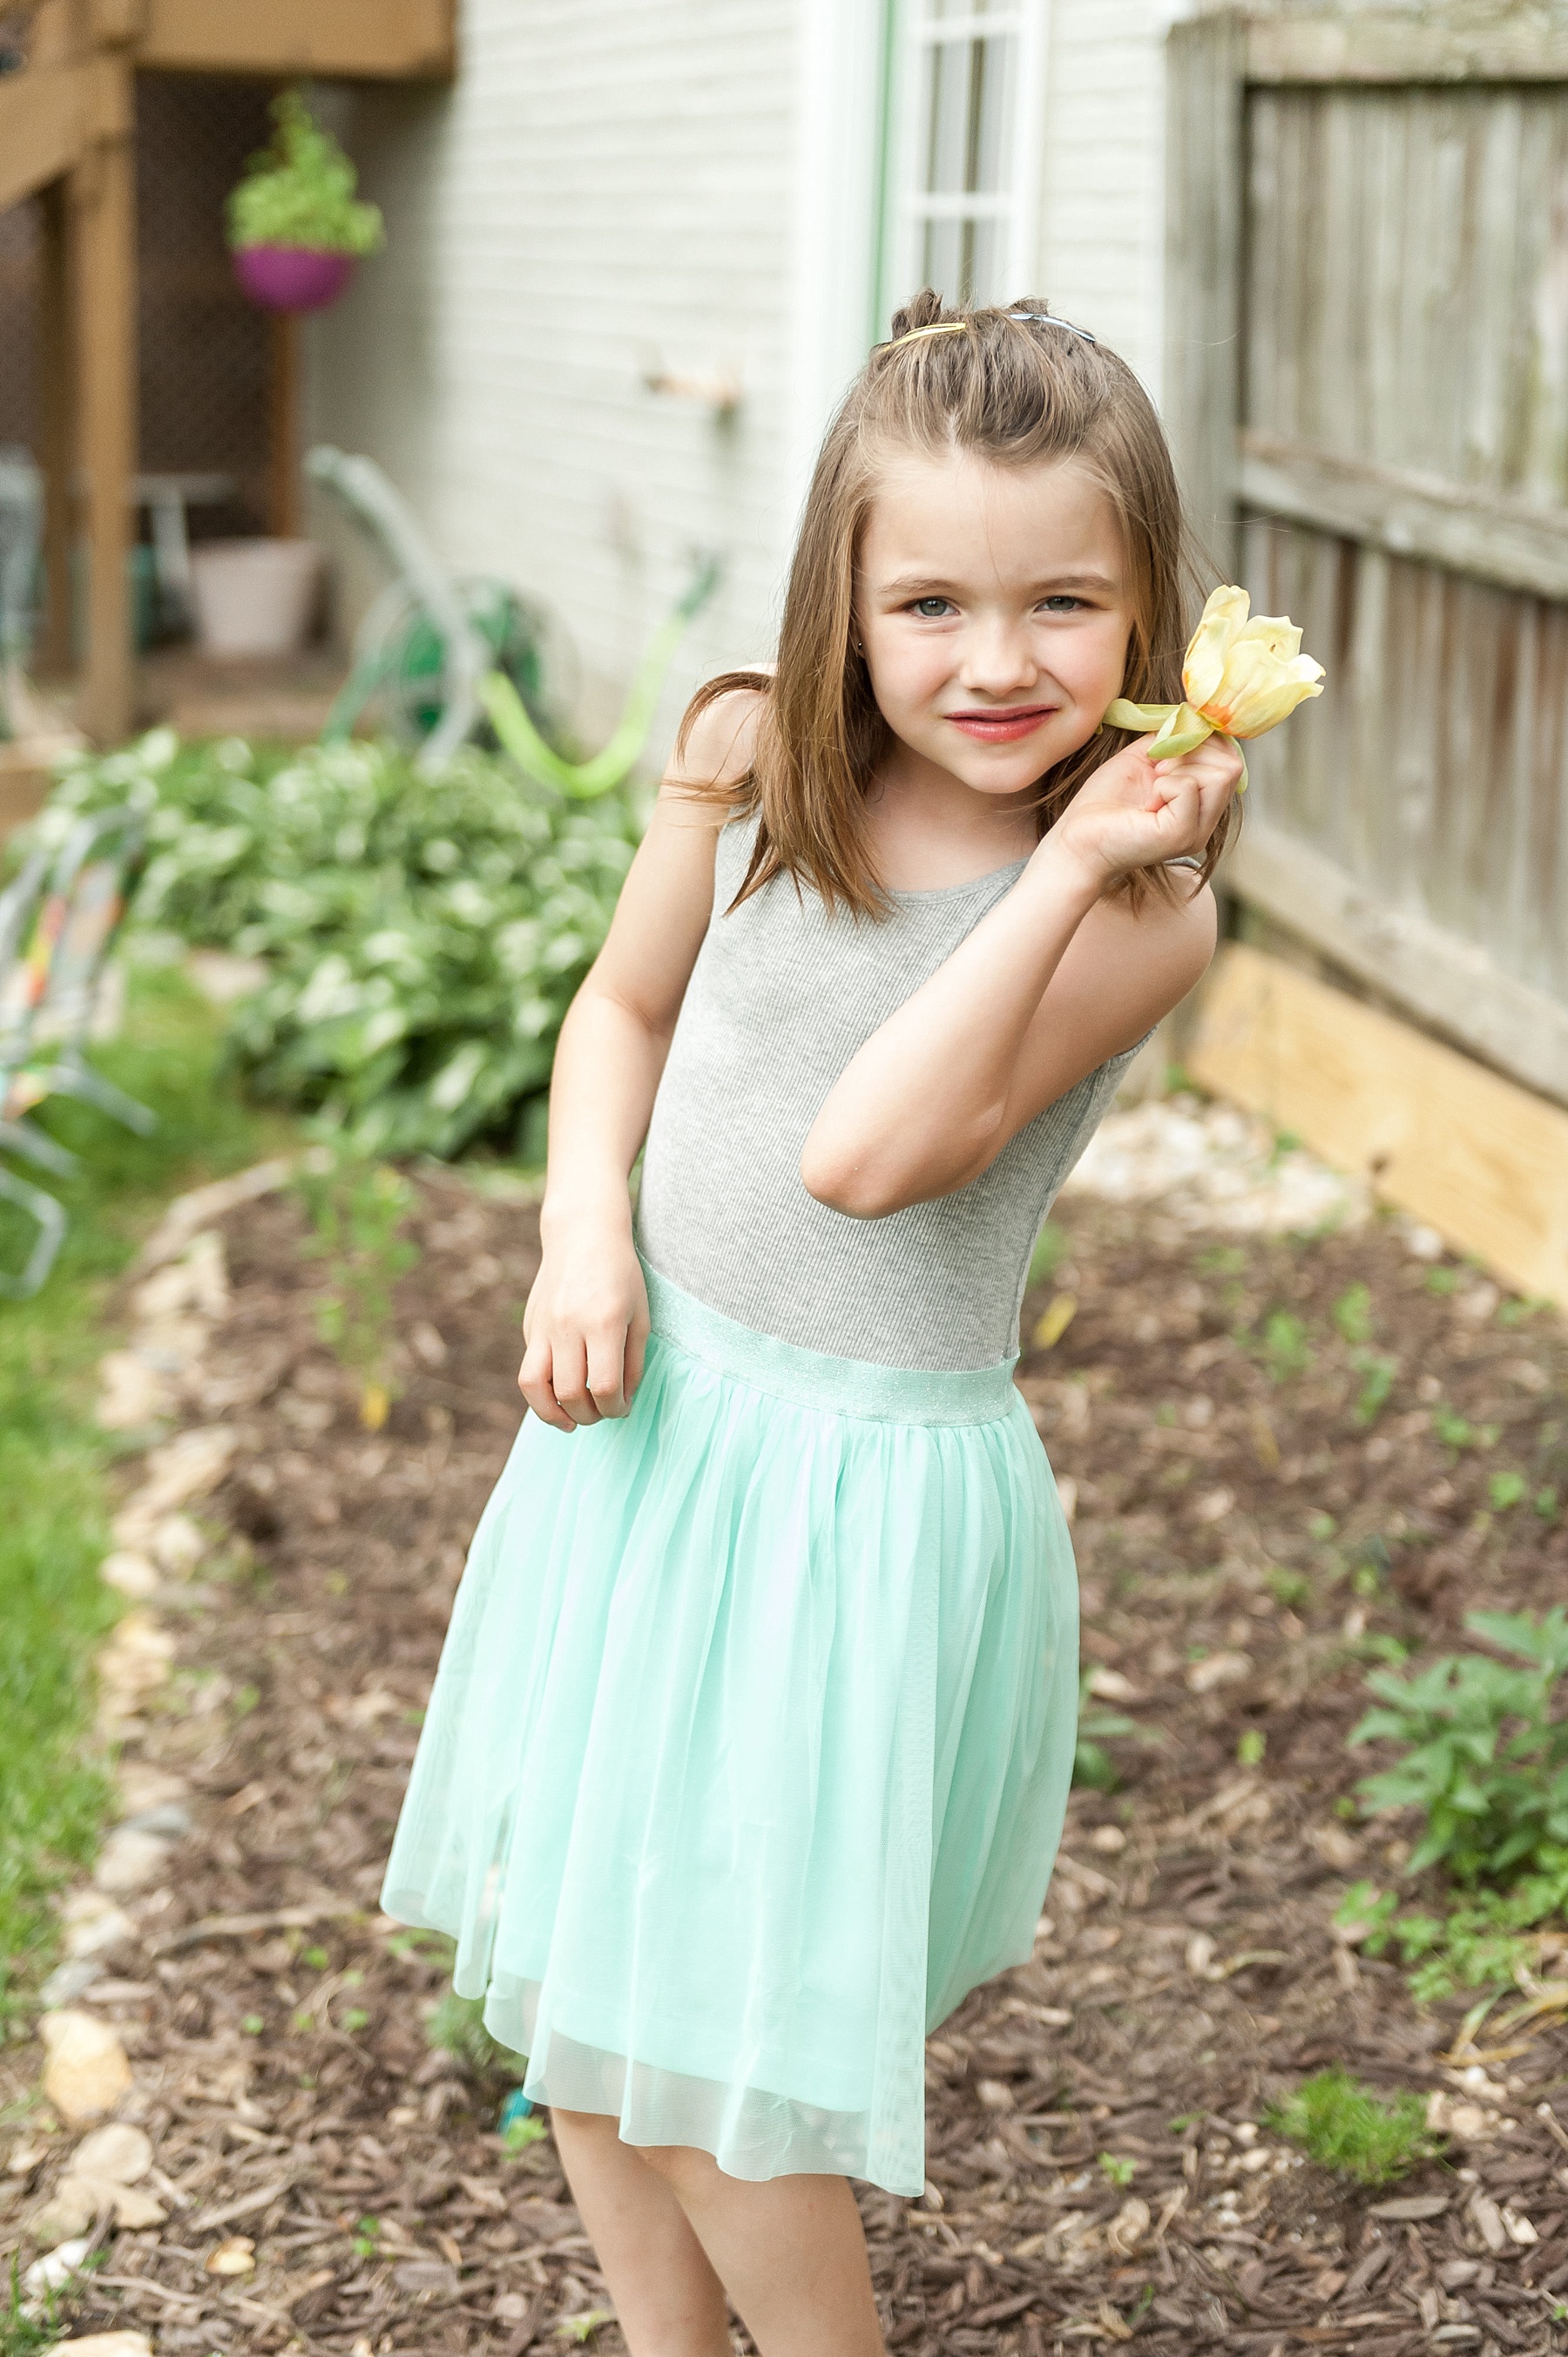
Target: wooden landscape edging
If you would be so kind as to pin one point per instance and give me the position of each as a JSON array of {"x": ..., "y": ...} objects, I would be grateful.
[
  {"x": 1450, "y": 982},
  {"x": 1482, "y": 1161}
]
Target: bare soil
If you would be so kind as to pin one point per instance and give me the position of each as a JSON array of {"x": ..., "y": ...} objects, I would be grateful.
[{"x": 1101, "y": 2163}]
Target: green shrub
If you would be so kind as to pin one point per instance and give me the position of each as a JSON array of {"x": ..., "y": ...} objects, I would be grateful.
[
  {"x": 1485, "y": 1759},
  {"x": 299, "y": 190},
  {"x": 1352, "y": 2131},
  {"x": 423, "y": 936}
]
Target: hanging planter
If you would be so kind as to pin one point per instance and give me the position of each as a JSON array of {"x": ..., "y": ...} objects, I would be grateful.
[{"x": 295, "y": 226}]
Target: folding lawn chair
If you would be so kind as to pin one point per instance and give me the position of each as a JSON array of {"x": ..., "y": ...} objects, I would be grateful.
[{"x": 47, "y": 993}]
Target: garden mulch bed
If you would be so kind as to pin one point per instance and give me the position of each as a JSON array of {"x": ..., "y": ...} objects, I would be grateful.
[{"x": 1102, "y": 2167}]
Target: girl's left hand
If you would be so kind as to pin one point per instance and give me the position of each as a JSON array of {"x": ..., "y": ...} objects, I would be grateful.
[{"x": 1133, "y": 813}]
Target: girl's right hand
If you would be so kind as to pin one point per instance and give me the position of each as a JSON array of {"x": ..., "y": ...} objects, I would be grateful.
[{"x": 585, "y": 1326}]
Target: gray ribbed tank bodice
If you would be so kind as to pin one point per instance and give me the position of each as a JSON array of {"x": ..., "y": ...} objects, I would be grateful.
[{"x": 780, "y": 998}]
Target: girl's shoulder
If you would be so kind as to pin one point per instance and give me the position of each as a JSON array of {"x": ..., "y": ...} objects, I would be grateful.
[{"x": 717, "y": 747}]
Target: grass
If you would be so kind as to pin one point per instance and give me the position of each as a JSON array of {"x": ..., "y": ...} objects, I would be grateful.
[
  {"x": 1347, "y": 2128},
  {"x": 53, "y": 1459}
]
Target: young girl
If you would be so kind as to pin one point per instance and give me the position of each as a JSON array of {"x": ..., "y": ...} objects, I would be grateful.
[{"x": 749, "y": 1748}]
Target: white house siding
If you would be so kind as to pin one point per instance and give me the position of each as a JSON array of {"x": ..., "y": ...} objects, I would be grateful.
[
  {"x": 1102, "y": 212},
  {"x": 608, "y": 190}
]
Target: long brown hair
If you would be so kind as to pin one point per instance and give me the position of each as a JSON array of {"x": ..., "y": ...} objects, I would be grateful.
[{"x": 1017, "y": 391}]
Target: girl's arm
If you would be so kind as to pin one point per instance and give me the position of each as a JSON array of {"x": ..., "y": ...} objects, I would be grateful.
[
  {"x": 586, "y": 1323},
  {"x": 1051, "y": 981}
]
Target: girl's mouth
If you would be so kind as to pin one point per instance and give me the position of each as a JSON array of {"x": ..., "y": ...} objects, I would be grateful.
[{"x": 1001, "y": 728}]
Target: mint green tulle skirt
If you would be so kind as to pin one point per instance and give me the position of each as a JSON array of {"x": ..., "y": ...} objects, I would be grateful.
[{"x": 748, "y": 1750}]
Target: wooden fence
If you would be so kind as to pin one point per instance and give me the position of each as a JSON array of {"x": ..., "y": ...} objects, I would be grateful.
[{"x": 1367, "y": 388}]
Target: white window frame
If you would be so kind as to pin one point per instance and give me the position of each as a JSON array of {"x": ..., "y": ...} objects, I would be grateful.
[{"x": 908, "y": 206}]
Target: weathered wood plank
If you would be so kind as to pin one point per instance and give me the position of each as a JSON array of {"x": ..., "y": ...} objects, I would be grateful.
[
  {"x": 1440, "y": 47},
  {"x": 1425, "y": 772},
  {"x": 1407, "y": 512},
  {"x": 103, "y": 285},
  {"x": 1483, "y": 1161},
  {"x": 393, "y": 39},
  {"x": 1205, "y": 184},
  {"x": 1447, "y": 981}
]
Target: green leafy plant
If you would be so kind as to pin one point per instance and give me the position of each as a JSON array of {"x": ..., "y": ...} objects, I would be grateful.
[
  {"x": 1118, "y": 2167},
  {"x": 1352, "y": 1313},
  {"x": 1286, "y": 1351},
  {"x": 1092, "y": 1765},
  {"x": 299, "y": 190},
  {"x": 1457, "y": 1432},
  {"x": 1377, "y": 1372},
  {"x": 1505, "y": 1489},
  {"x": 1485, "y": 1942},
  {"x": 1349, "y": 2129},
  {"x": 367, "y": 2238},
  {"x": 456, "y": 2026},
  {"x": 1485, "y": 1758},
  {"x": 421, "y": 937},
  {"x": 355, "y": 1209}
]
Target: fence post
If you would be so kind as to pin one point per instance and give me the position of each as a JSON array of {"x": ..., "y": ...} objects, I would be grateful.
[{"x": 1206, "y": 166}]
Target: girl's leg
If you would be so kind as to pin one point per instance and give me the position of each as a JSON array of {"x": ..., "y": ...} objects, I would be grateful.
[
  {"x": 789, "y": 2251},
  {"x": 668, "y": 2300}
]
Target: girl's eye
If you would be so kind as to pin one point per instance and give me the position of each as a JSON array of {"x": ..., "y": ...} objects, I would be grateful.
[
  {"x": 931, "y": 609},
  {"x": 1062, "y": 605}
]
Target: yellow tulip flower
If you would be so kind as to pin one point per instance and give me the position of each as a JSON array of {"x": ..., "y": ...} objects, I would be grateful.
[{"x": 1241, "y": 677}]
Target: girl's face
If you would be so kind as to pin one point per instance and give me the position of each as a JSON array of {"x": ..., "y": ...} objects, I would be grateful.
[{"x": 992, "y": 606}]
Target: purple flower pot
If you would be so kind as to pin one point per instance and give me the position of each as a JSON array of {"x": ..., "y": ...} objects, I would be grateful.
[{"x": 292, "y": 277}]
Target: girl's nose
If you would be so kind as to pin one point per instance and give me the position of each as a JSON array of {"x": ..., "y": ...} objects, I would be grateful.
[{"x": 997, "y": 660}]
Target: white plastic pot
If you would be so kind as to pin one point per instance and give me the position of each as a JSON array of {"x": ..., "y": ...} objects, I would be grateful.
[{"x": 254, "y": 597}]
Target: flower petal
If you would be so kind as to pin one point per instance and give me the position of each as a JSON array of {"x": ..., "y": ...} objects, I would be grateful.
[{"x": 1203, "y": 666}]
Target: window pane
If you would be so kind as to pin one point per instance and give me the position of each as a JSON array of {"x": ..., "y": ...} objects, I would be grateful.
[
  {"x": 942, "y": 264},
  {"x": 937, "y": 11},
  {"x": 947, "y": 135},
  {"x": 961, "y": 260},
  {"x": 990, "y": 76},
  {"x": 967, "y": 110}
]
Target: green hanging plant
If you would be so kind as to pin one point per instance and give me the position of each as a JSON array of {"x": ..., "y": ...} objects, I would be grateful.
[{"x": 299, "y": 190}]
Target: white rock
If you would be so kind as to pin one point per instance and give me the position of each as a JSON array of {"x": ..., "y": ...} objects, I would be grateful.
[
  {"x": 107, "y": 2344},
  {"x": 197, "y": 1283},
  {"x": 87, "y": 2071},
  {"x": 130, "y": 1859},
  {"x": 1218, "y": 1670},
  {"x": 134, "y": 1393},
  {"x": 136, "y": 1661},
  {"x": 143, "y": 1787},
  {"x": 187, "y": 1214},
  {"x": 131, "y": 1573},
  {"x": 97, "y": 1932},
  {"x": 176, "y": 1546},
  {"x": 185, "y": 1467},
  {"x": 56, "y": 2267},
  {"x": 119, "y": 2152}
]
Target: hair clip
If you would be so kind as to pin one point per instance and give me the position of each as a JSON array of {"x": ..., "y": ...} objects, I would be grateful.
[
  {"x": 1049, "y": 319},
  {"x": 936, "y": 328}
]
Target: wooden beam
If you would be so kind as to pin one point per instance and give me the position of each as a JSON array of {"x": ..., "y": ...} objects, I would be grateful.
[
  {"x": 1204, "y": 194},
  {"x": 46, "y": 124},
  {"x": 1482, "y": 1161},
  {"x": 103, "y": 285},
  {"x": 375, "y": 39},
  {"x": 1443, "y": 980},
  {"x": 57, "y": 435},
  {"x": 1443, "y": 46},
  {"x": 1408, "y": 514}
]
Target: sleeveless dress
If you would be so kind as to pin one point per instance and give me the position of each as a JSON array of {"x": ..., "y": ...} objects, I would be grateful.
[{"x": 748, "y": 1751}]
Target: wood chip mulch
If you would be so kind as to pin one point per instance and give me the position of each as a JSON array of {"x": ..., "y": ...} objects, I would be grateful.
[{"x": 1102, "y": 2166}]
